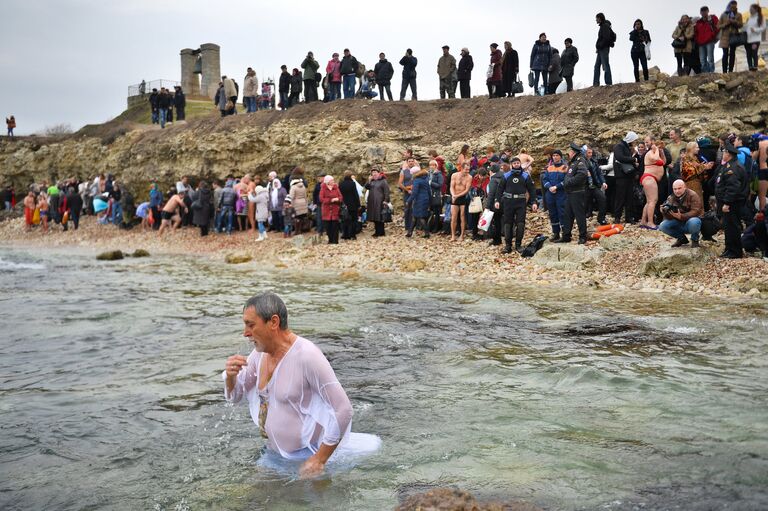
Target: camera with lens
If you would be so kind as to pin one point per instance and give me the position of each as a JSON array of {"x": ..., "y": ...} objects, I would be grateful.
[{"x": 668, "y": 206}]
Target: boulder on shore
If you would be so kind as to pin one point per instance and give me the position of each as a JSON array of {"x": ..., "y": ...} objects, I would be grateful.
[
  {"x": 111, "y": 255},
  {"x": 676, "y": 261},
  {"x": 140, "y": 252},
  {"x": 566, "y": 257}
]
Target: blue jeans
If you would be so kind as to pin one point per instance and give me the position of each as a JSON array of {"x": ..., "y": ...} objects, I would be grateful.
[
  {"x": 7, "y": 205},
  {"x": 707, "y": 58},
  {"x": 349, "y": 86},
  {"x": 227, "y": 212},
  {"x": 602, "y": 61},
  {"x": 678, "y": 229},
  {"x": 284, "y": 100},
  {"x": 334, "y": 91},
  {"x": 262, "y": 227},
  {"x": 163, "y": 112},
  {"x": 250, "y": 104},
  {"x": 117, "y": 213},
  {"x": 155, "y": 117},
  {"x": 319, "y": 220},
  {"x": 556, "y": 209}
]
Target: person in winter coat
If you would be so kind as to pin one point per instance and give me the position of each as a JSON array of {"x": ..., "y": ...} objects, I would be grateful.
[
  {"x": 298, "y": 195},
  {"x": 384, "y": 73},
  {"x": 330, "y": 198},
  {"x": 730, "y": 24},
  {"x": 555, "y": 77},
  {"x": 310, "y": 67},
  {"x": 351, "y": 199},
  {"x": 541, "y": 54},
  {"x": 731, "y": 191},
  {"x": 494, "y": 80},
  {"x": 606, "y": 38},
  {"x": 378, "y": 196},
  {"x": 261, "y": 199},
  {"x": 754, "y": 27},
  {"x": 568, "y": 60},
  {"x": 409, "y": 63},
  {"x": 446, "y": 71},
  {"x": 419, "y": 201},
  {"x": 202, "y": 208},
  {"x": 625, "y": 168},
  {"x": 163, "y": 104},
  {"x": 230, "y": 93},
  {"x": 464, "y": 73},
  {"x": 554, "y": 194},
  {"x": 682, "y": 39},
  {"x": 333, "y": 70},
  {"x": 180, "y": 102},
  {"x": 639, "y": 37},
  {"x": 510, "y": 67},
  {"x": 705, "y": 35},
  {"x": 277, "y": 196},
  {"x": 436, "y": 179},
  {"x": 348, "y": 71},
  {"x": 250, "y": 91},
  {"x": 10, "y": 123},
  {"x": 296, "y": 85},
  {"x": 284, "y": 87}
]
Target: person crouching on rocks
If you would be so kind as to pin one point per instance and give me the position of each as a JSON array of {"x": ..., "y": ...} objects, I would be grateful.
[
  {"x": 682, "y": 213},
  {"x": 512, "y": 196}
]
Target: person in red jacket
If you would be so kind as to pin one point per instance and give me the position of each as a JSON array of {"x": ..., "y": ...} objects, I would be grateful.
[
  {"x": 705, "y": 34},
  {"x": 330, "y": 200}
]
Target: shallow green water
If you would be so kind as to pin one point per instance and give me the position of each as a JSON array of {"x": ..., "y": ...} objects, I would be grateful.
[{"x": 111, "y": 391}]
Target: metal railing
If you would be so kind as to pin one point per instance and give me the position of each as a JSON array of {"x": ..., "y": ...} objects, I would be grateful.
[{"x": 136, "y": 90}]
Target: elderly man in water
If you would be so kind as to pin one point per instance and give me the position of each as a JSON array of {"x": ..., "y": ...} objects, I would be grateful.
[{"x": 292, "y": 391}]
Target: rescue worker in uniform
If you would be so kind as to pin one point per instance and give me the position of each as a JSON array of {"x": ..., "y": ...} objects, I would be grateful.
[
  {"x": 496, "y": 182},
  {"x": 575, "y": 186},
  {"x": 554, "y": 194},
  {"x": 512, "y": 196},
  {"x": 596, "y": 186},
  {"x": 730, "y": 186}
]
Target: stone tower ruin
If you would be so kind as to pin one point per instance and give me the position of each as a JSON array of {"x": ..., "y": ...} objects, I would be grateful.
[{"x": 205, "y": 61}]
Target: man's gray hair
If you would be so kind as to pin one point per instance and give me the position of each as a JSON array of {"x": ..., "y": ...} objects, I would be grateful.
[{"x": 268, "y": 304}]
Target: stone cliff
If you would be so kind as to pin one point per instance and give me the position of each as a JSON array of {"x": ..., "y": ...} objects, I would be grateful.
[{"x": 331, "y": 138}]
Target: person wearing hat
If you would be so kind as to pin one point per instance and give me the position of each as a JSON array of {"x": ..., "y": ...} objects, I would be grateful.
[
  {"x": 515, "y": 193},
  {"x": 409, "y": 63},
  {"x": 575, "y": 186},
  {"x": 731, "y": 191},
  {"x": 464, "y": 73},
  {"x": 289, "y": 215},
  {"x": 333, "y": 70},
  {"x": 494, "y": 80},
  {"x": 554, "y": 194},
  {"x": 446, "y": 70},
  {"x": 284, "y": 87},
  {"x": 625, "y": 167}
]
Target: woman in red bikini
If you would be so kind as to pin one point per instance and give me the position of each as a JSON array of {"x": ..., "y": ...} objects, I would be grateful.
[{"x": 654, "y": 170}]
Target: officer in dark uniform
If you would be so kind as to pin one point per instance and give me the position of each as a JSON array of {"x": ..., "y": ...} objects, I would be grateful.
[
  {"x": 497, "y": 180},
  {"x": 575, "y": 186},
  {"x": 513, "y": 194},
  {"x": 730, "y": 186}
]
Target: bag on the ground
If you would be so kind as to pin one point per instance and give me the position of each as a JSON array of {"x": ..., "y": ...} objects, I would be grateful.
[
  {"x": 485, "y": 220},
  {"x": 534, "y": 246},
  {"x": 386, "y": 214},
  {"x": 531, "y": 79},
  {"x": 517, "y": 86},
  {"x": 476, "y": 205},
  {"x": 738, "y": 39}
]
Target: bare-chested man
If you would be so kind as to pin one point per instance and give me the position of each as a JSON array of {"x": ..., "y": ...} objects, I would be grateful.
[
  {"x": 762, "y": 171},
  {"x": 526, "y": 162},
  {"x": 170, "y": 213},
  {"x": 461, "y": 182},
  {"x": 29, "y": 210}
]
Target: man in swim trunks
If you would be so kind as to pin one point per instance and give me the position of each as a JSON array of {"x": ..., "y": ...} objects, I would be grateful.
[
  {"x": 29, "y": 210},
  {"x": 170, "y": 212},
  {"x": 461, "y": 182},
  {"x": 292, "y": 391}
]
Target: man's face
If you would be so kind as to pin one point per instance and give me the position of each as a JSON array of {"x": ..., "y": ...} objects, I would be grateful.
[
  {"x": 597, "y": 20},
  {"x": 678, "y": 189},
  {"x": 556, "y": 158},
  {"x": 433, "y": 165},
  {"x": 411, "y": 162},
  {"x": 445, "y": 51},
  {"x": 346, "y": 53},
  {"x": 589, "y": 154},
  {"x": 705, "y": 13},
  {"x": 567, "y": 44},
  {"x": 184, "y": 179},
  {"x": 375, "y": 174},
  {"x": 255, "y": 329},
  {"x": 381, "y": 56},
  {"x": 516, "y": 165}
]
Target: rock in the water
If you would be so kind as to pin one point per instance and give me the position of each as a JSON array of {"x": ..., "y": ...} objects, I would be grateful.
[
  {"x": 349, "y": 275},
  {"x": 676, "y": 261},
  {"x": 449, "y": 499},
  {"x": 237, "y": 258},
  {"x": 112, "y": 255},
  {"x": 413, "y": 265},
  {"x": 566, "y": 257},
  {"x": 140, "y": 252}
]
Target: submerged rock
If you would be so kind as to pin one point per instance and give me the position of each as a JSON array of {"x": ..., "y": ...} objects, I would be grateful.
[
  {"x": 140, "y": 252},
  {"x": 238, "y": 258},
  {"x": 449, "y": 499},
  {"x": 112, "y": 255}
]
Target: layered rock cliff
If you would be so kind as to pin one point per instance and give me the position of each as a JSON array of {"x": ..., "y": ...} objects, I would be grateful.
[{"x": 355, "y": 135}]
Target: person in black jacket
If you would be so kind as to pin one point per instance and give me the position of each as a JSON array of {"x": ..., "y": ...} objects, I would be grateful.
[
  {"x": 575, "y": 185},
  {"x": 284, "y": 87},
  {"x": 731, "y": 189},
  {"x": 163, "y": 104},
  {"x": 624, "y": 170},
  {"x": 351, "y": 199},
  {"x": 496, "y": 181},
  {"x": 514, "y": 193},
  {"x": 409, "y": 63},
  {"x": 465, "y": 73},
  {"x": 605, "y": 41},
  {"x": 639, "y": 37},
  {"x": 596, "y": 186},
  {"x": 384, "y": 73},
  {"x": 349, "y": 67},
  {"x": 510, "y": 67},
  {"x": 153, "y": 106},
  {"x": 296, "y": 85},
  {"x": 180, "y": 102}
]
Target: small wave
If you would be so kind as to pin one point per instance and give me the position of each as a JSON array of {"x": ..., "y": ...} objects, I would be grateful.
[
  {"x": 687, "y": 330},
  {"x": 11, "y": 266}
]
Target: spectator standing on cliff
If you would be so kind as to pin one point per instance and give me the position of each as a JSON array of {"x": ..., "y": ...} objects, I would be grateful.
[
  {"x": 310, "y": 67},
  {"x": 640, "y": 38},
  {"x": 446, "y": 71},
  {"x": 555, "y": 78},
  {"x": 250, "y": 91},
  {"x": 296, "y": 86},
  {"x": 494, "y": 80},
  {"x": 606, "y": 39},
  {"x": 349, "y": 67},
  {"x": 153, "y": 106},
  {"x": 754, "y": 27},
  {"x": 284, "y": 87},
  {"x": 409, "y": 63},
  {"x": 705, "y": 34},
  {"x": 682, "y": 42},
  {"x": 464, "y": 73},
  {"x": 230, "y": 92},
  {"x": 568, "y": 60},
  {"x": 730, "y": 24},
  {"x": 10, "y": 123},
  {"x": 510, "y": 67},
  {"x": 384, "y": 73},
  {"x": 333, "y": 70},
  {"x": 163, "y": 104},
  {"x": 180, "y": 102},
  {"x": 541, "y": 54}
]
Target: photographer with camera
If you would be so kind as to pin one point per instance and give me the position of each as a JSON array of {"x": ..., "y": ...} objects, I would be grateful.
[{"x": 682, "y": 215}]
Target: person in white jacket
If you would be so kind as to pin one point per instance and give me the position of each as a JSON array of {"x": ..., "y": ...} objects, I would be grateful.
[{"x": 754, "y": 27}]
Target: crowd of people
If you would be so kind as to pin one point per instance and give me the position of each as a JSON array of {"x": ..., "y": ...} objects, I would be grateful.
[
  {"x": 681, "y": 188},
  {"x": 163, "y": 102}
]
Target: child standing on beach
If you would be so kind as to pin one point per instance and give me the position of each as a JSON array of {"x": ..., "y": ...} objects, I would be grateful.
[{"x": 289, "y": 214}]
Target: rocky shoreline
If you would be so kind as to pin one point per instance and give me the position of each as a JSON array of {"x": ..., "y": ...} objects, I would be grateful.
[{"x": 634, "y": 262}]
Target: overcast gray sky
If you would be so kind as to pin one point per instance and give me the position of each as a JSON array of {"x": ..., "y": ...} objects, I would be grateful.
[{"x": 71, "y": 61}]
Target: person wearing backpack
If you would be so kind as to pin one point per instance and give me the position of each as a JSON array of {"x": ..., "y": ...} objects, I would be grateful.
[
  {"x": 705, "y": 34},
  {"x": 606, "y": 39}
]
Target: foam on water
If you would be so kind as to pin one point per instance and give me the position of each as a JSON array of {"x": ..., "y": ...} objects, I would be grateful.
[{"x": 10, "y": 266}]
